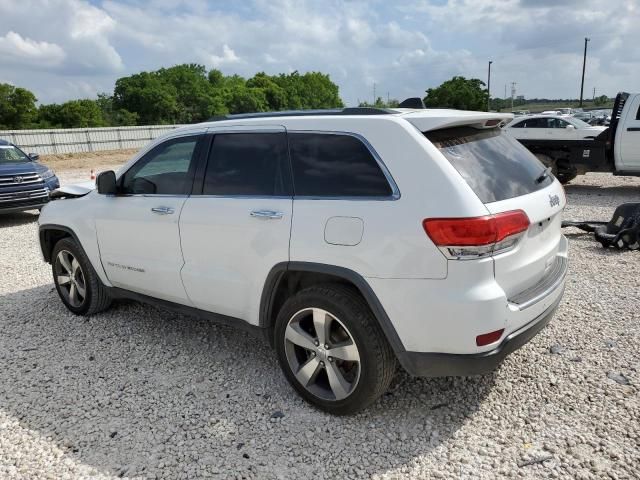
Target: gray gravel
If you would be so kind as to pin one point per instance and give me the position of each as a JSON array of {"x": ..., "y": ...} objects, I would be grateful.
[{"x": 139, "y": 392}]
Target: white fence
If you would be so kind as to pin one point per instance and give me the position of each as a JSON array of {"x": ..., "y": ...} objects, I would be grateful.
[{"x": 72, "y": 140}]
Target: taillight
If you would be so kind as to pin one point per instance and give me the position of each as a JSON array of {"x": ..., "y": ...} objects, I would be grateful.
[{"x": 467, "y": 238}]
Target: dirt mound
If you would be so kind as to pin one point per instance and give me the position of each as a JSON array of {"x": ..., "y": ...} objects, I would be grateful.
[{"x": 87, "y": 160}]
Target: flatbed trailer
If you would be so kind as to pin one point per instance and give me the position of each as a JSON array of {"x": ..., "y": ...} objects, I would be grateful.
[{"x": 616, "y": 149}]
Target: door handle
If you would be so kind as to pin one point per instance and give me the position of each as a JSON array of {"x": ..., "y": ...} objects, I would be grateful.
[
  {"x": 266, "y": 214},
  {"x": 163, "y": 210}
]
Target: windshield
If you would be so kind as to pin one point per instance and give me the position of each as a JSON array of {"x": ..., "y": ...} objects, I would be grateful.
[
  {"x": 11, "y": 154},
  {"x": 576, "y": 122},
  {"x": 496, "y": 166}
]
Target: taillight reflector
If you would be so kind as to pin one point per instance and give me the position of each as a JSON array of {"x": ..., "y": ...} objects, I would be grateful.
[
  {"x": 475, "y": 231},
  {"x": 488, "y": 338}
]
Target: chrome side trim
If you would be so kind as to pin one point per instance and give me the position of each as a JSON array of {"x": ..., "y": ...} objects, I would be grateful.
[
  {"x": 246, "y": 129},
  {"x": 546, "y": 286},
  {"x": 395, "y": 191}
]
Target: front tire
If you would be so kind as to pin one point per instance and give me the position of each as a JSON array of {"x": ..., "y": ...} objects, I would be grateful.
[
  {"x": 332, "y": 349},
  {"x": 76, "y": 281}
]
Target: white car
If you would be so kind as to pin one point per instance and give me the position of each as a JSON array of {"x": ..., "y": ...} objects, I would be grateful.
[
  {"x": 351, "y": 239},
  {"x": 552, "y": 127}
]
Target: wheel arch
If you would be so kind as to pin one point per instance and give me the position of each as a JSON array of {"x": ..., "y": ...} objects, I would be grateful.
[
  {"x": 50, "y": 234},
  {"x": 287, "y": 278}
]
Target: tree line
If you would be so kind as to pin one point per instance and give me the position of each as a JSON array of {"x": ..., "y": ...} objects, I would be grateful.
[
  {"x": 189, "y": 94},
  {"x": 180, "y": 94}
]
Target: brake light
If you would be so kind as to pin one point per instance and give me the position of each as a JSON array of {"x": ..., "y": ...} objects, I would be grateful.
[{"x": 464, "y": 238}]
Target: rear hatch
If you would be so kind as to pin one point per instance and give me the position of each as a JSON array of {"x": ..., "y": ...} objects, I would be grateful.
[{"x": 506, "y": 177}]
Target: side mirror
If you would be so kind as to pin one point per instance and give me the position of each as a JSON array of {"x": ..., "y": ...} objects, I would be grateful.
[
  {"x": 34, "y": 156},
  {"x": 106, "y": 183},
  {"x": 570, "y": 127}
]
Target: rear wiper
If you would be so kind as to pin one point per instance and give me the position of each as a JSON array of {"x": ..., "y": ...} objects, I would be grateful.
[{"x": 544, "y": 175}]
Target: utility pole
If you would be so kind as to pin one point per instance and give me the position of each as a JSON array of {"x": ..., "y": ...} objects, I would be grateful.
[
  {"x": 584, "y": 64},
  {"x": 489, "y": 87},
  {"x": 513, "y": 93},
  {"x": 594, "y": 95},
  {"x": 374, "y": 94},
  {"x": 387, "y": 99}
]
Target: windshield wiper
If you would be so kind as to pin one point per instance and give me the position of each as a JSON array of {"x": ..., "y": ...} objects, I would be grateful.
[{"x": 543, "y": 176}]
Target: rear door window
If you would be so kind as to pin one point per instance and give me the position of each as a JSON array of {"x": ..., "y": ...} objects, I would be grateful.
[
  {"x": 248, "y": 164},
  {"x": 335, "y": 165},
  {"x": 495, "y": 165}
]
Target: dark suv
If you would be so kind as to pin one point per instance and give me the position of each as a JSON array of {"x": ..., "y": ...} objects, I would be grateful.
[{"x": 24, "y": 183}]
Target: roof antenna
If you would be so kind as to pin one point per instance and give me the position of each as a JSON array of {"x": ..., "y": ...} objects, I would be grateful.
[{"x": 413, "y": 102}]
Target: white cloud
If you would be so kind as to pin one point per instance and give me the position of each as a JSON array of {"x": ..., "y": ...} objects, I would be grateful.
[
  {"x": 25, "y": 51},
  {"x": 404, "y": 46},
  {"x": 72, "y": 36},
  {"x": 228, "y": 57}
]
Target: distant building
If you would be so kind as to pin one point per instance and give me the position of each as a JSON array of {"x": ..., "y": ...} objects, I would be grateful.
[{"x": 520, "y": 97}]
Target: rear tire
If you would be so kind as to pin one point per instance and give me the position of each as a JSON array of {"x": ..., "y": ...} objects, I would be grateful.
[
  {"x": 76, "y": 281},
  {"x": 332, "y": 350}
]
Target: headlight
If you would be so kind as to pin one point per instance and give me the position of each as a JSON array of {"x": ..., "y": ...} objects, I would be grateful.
[{"x": 48, "y": 174}]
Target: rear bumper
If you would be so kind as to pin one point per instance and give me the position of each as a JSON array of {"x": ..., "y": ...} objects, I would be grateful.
[{"x": 423, "y": 364}]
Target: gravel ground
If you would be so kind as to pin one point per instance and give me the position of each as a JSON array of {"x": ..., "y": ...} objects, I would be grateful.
[{"x": 138, "y": 392}]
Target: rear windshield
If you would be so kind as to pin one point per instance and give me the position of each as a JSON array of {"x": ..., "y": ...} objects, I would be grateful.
[
  {"x": 495, "y": 165},
  {"x": 11, "y": 154}
]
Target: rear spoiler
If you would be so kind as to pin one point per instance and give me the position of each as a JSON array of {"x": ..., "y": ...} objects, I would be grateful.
[{"x": 438, "y": 119}]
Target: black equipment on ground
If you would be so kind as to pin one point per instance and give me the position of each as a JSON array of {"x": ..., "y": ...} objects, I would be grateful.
[{"x": 621, "y": 232}]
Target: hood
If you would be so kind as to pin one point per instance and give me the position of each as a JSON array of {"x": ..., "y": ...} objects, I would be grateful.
[
  {"x": 21, "y": 167},
  {"x": 74, "y": 190}
]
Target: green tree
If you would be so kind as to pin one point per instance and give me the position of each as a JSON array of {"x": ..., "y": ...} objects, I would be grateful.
[
  {"x": 380, "y": 103},
  {"x": 601, "y": 100},
  {"x": 309, "y": 91},
  {"x": 246, "y": 100},
  {"x": 180, "y": 94},
  {"x": 275, "y": 95},
  {"x": 149, "y": 96},
  {"x": 460, "y": 93},
  {"x": 17, "y": 107},
  {"x": 112, "y": 116},
  {"x": 72, "y": 114}
]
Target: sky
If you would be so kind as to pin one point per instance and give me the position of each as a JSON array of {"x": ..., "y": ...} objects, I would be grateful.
[{"x": 66, "y": 49}]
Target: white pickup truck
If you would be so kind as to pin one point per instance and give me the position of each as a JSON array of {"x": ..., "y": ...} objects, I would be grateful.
[{"x": 616, "y": 149}]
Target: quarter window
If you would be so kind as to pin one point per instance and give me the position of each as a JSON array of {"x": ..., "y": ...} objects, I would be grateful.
[
  {"x": 165, "y": 170},
  {"x": 248, "y": 164},
  {"x": 333, "y": 165}
]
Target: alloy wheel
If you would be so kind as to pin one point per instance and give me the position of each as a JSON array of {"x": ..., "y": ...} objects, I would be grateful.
[
  {"x": 322, "y": 354},
  {"x": 70, "y": 278}
]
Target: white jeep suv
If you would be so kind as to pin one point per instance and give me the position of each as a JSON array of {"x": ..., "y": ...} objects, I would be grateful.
[{"x": 352, "y": 239}]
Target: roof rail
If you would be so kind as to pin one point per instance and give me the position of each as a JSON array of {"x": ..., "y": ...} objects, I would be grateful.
[{"x": 306, "y": 113}]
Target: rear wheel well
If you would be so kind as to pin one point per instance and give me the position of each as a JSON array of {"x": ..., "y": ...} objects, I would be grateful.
[
  {"x": 288, "y": 278},
  {"x": 48, "y": 239},
  {"x": 291, "y": 282}
]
